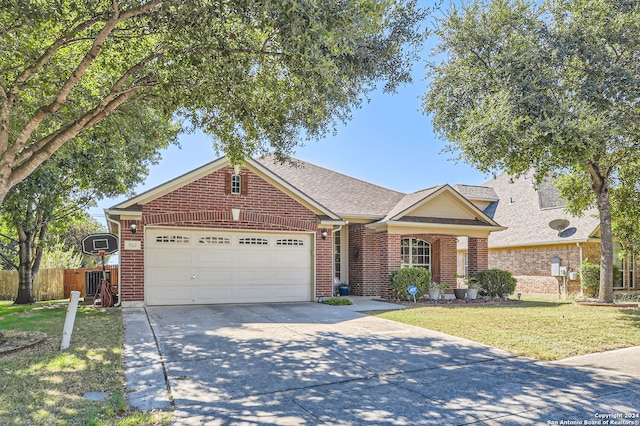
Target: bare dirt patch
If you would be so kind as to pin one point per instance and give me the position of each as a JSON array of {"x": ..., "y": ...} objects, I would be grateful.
[{"x": 20, "y": 340}]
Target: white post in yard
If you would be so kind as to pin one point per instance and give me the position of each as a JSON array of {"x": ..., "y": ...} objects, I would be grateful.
[{"x": 70, "y": 320}]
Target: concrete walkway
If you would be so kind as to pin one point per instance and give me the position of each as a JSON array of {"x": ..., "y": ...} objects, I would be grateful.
[{"x": 309, "y": 363}]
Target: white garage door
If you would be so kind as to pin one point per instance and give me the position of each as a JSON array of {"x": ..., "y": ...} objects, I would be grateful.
[{"x": 186, "y": 266}]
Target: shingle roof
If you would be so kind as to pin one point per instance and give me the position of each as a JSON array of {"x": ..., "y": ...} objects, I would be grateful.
[
  {"x": 474, "y": 192},
  {"x": 410, "y": 200},
  {"x": 340, "y": 193},
  {"x": 522, "y": 209}
]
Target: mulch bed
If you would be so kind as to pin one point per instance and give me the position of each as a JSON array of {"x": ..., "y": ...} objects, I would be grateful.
[{"x": 458, "y": 303}]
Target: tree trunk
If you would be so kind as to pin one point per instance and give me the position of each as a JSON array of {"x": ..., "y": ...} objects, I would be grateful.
[
  {"x": 600, "y": 185},
  {"x": 25, "y": 285},
  {"x": 606, "y": 248}
]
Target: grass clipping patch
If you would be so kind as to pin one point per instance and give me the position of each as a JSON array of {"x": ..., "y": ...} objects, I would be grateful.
[
  {"x": 338, "y": 301},
  {"x": 41, "y": 384}
]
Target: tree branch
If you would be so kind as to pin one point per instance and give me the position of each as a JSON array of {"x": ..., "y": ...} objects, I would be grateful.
[
  {"x": 30, "y": 158},
  {"x": 72, "y": 81}
]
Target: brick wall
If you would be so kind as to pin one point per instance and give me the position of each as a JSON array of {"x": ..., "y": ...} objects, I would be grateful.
[
  {"x": 478, "y": 249},
  {"x": 379, "y": 254},
  {"x": 203, "y": 203},
  {"x": 534, "y": 260}
]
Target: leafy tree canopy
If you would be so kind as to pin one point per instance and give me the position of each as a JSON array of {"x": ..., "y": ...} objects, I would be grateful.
[
  {"x": 108, "y": 159},
  {"x": 252, "y": 74},
  {"x": 552, "y": 86}
]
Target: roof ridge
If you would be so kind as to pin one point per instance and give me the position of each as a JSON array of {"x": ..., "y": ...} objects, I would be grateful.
[{"x": 306, "y": 163}]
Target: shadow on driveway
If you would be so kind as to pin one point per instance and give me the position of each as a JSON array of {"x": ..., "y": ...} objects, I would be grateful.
[{"x": 308, "y": 363}]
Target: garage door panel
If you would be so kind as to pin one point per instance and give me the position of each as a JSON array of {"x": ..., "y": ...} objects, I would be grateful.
[
  {"x": 170, "y": 276},
  {"x": 171, "y": 295},
  {"x": 300, "y": 261},
  {"x": 226, "y": 267},
  {"x": 171, "y": 257},
  {"x": 213, "y": 257},
  {"x": 214, "y": 276}
]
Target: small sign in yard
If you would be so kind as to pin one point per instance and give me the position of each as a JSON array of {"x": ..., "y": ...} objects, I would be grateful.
[{"x": 413, "y": 290}]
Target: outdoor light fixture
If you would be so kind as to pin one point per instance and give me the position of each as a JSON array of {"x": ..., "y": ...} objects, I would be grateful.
[
  {"x": 133, "y": 228},
  {"x": 324, "y": 234}
]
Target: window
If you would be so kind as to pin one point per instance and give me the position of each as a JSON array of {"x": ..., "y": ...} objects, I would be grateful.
[
  {"x": 415, "y": 253},
  {"x": 179, "y": 239},
  {"x": 337, "y": 257},
  {"x": 236, "y": 187},
  {"x": 236, "y": 184},
  {"x": 625, "y": 265},
  {"x": 251, "y": 241},
  {"x": 214, "y": 240},
  {"x": 289, "y": 242}
]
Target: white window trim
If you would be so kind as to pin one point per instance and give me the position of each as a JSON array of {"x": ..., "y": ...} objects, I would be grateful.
[
  {"x": 410, "y": 264},
  {"x": 236, "y": 184}
]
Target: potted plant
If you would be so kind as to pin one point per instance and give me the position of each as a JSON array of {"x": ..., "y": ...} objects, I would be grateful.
[
  {"x": 343, "y": 289},
  {"x": 435, "y": 289},
  {"x": 472, "y": 289},
  {"x": 460, "y": 292}
]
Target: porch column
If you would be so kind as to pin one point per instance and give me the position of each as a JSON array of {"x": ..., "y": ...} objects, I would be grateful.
[{"x": 478, "y": 255}]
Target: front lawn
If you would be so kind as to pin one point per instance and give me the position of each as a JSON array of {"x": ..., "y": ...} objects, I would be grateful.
[
  {"x": 545, "y": 330},
  {"x": 43, "y": 385}
]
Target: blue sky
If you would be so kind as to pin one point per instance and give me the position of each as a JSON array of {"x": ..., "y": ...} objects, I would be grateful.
[{"x": 389, "y": 142}]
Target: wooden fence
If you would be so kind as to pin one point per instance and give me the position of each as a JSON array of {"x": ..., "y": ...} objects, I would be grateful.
[
  {"x": 74, "y": 279},
  {"x": 48, "y": 285},
  {"x": 52, "y": 284}
]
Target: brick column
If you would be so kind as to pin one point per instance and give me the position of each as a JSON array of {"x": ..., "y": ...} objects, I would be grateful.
[{"x": 478, "y": 255}]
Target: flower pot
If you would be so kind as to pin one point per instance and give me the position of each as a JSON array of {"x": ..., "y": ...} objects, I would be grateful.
[
  {"x": 472, "y": 293},
  {"x": 343, "y": 290},
  {"x": 434, "y": 294},
  {"x": 460, "y": 293}
]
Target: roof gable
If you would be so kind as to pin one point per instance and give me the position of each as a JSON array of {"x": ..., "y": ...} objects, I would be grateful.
[
  {"x": 255, "y": 167},
  {"x": 438, "y": 202}
]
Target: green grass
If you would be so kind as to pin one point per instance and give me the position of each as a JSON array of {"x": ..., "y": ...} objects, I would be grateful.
[
  {"x": 338, "y": 301},
  {"x": 542, "y": 329},
  {"x": 43, "y": 385}
]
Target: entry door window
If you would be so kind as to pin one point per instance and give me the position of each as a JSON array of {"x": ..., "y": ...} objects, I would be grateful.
[{"x": 415, "y": 253}]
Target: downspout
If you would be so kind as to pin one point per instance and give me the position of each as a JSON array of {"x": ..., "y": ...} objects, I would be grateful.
[{"x": 119, "y": 258}]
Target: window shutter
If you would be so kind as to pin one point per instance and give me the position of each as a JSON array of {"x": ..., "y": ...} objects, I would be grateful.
[
  {"x": 244, "y": 185},
  {"x": 227, "y": 183}
]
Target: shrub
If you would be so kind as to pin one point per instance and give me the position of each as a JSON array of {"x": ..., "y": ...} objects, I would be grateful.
[
  {"x": 590, "y": 277},
  {"x": 494, "y": 282},
  {"x": 402, "y": 279}
]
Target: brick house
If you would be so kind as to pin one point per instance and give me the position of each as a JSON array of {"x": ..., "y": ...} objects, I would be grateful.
[
  {"x": 270, "y": 232},
  {"x": 529, "y": 244}
]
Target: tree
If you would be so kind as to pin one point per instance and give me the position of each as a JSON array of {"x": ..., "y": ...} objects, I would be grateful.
[
  {"x": 551, "y": 86},
  {"x": 71, "y": 233},
  {"x": 99, "y": 163},
  {"x": 249, "y": 73}
]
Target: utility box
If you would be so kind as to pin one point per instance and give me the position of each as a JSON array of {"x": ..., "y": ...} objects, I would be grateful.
[
  {"x": 564, "y": 271},
  {"x": 555, "y": 266}
]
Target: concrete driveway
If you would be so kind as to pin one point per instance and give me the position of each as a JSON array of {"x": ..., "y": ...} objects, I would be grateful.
[{"x": 308, "y": 363}]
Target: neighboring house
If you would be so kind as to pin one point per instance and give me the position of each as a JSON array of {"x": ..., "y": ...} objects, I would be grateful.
[
  {"x": 529, "y": 244},
  {"x": 270, "y": 232}
]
